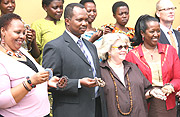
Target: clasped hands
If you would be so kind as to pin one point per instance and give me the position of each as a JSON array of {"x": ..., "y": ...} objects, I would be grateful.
[
  {"x": 89, "y": 82},
  {"x": 162, "y": 93}
]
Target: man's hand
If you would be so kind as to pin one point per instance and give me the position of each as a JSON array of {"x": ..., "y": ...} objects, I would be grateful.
[{"x": 88, "y": 82}]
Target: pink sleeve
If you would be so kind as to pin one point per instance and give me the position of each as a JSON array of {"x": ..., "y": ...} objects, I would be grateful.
[{"x": 6, "y": 98}]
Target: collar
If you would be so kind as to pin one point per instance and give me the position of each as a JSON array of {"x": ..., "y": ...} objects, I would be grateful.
[
  {"x": 105, "y": 63},
  {"x": 73, "y": 36},
  {"x": 165, "y": 29},
  {"x": 127, "y": 66},
  {"x": 161, "y": 49}
]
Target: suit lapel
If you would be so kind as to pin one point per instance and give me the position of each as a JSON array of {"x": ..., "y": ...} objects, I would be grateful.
[
  {"x": 74, "y": 47},
  {"x": 177, "y": 34},
  {"x": 163, "y": 38}
]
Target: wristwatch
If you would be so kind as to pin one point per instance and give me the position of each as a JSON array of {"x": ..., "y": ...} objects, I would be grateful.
[{"x": 29, "y": 81}]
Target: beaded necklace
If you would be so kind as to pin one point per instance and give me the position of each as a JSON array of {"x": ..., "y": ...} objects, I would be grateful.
[
  {"x": 17, "y": 53},
  {"x": 117, "y": 97}
]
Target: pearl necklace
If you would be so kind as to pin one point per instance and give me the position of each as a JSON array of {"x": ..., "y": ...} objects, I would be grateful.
[
  {"x": 149, "y": 51},
  {"x": 17, "y": 53}
]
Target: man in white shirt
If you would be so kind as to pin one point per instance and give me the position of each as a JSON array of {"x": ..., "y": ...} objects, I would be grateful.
[{"x": 165, "y": 11}]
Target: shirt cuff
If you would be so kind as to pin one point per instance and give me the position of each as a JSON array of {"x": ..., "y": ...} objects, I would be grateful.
[{"x": 79, "y": 84}]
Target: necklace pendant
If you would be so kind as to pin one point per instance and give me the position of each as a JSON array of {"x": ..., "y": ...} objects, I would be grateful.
[{"x": 151, "y": 56}]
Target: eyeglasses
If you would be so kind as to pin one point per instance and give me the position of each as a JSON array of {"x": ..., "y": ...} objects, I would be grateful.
[
  {"x": 167, "y": 9},
  {"x": 121, "y": 46}
]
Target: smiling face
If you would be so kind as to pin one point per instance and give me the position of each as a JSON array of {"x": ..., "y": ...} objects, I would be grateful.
[
  {"x": 118, "y": 55},
  {"x": 152, "y": 34},
  {"x": 91, "y": 11},
  {"x": 13, "y": 35},
  {"x": 54, "y": 10},
  {"x": 7, "y": 6},
  {"x": 77, "y": 25},
  {"x": 122, "y": 15}
]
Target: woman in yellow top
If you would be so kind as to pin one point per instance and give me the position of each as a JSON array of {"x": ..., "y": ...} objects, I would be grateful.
[{"x": 51, "y": 26}]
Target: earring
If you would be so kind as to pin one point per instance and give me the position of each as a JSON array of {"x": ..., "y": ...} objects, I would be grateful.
[
  {"x": 143, "y": 38},
  {"x": 109, "y": 57}
]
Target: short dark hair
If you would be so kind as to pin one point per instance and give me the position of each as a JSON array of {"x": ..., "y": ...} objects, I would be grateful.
[
  {"x": 118, "y": 4},
  {"x": 7, "y": 18},
  {"x": 68, "y": 12},
  {"x": 85, "y": 1},
  {"x": 141, "y": 25},
  {"x": 48, "y": 2}
]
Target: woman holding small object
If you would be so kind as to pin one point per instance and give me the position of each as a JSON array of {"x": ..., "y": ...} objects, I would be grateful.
[
  {"x": 160, "y": 65},
  {"x": 126, "y": 87},
  {"x": 92, "y": 34},
  {"x": 8, "y": 6},
  {"x": 23, "y": 86},
  {"x": 50, "y": 27}
]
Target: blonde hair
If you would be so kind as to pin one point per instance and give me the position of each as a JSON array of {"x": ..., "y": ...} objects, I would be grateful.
[{"x": 107, "y": 41}]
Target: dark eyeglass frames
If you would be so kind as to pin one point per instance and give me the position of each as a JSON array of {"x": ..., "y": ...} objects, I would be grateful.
[
  {"x": 167, "y": 9},
  {"x": 121, "y": 46}
]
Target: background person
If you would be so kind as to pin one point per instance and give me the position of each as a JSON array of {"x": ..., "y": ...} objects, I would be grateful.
[
  {"x": 121, "y": 13},
  {"x": 8, "y": 6},
  {"x": 76, "y": 58},
  {"x": 50, "y": 27},
  {"x": 165, "y": 11},
  {"x": 92, "y": 34},
  {"x": 126, "y": 86},
  {"x": 159, "y": 63},
  {"x": 23, "y": 86}
]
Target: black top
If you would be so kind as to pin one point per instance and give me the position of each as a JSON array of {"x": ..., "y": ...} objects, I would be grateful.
[{"x": 30, "y": 64}]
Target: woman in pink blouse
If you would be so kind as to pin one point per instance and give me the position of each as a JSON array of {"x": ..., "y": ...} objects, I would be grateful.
[{"x": 23, "y": 82}]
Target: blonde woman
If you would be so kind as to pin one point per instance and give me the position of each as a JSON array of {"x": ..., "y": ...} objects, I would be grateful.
[{"x": 126, "y": 87}]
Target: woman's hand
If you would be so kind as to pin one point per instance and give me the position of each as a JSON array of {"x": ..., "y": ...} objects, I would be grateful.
[
  {"x": 30, "y": 36},
  {"x": 167, "y": 89},
  {"x": 157, "y": 93},
  {"x": 107, "y": 30},
  {"x": 96, "y": 36},
  {"x": 40, "y": 77},
  {"x": 53, "y": 81}
]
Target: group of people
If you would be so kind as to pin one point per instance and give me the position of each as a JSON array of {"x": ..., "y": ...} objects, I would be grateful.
[{"x": 140, "y": 67}]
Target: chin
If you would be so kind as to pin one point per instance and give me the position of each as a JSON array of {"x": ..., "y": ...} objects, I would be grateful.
[{"x": 122, "y": 58}]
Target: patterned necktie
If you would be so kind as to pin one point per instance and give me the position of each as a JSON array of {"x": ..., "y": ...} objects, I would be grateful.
[
  {"x": 84, "y": 52},
  {"x": 172, "y": 39},
  {"x": 79, "y": 42}
]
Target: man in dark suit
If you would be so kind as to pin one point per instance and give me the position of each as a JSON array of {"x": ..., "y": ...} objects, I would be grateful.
[
  {"x": 65, "y": 57},
  {"x": 165, "y": 11}
]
